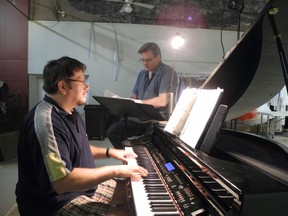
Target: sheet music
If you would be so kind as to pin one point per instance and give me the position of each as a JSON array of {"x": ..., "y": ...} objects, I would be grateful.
[
  {"x": 206, "y": 101},
  {"x": 191, "y": 114},
  {"x": 109, "y": 93},
  {"x": 181, "y": 111}
]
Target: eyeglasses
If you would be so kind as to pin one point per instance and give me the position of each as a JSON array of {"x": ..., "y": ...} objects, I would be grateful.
[
  {"x": 81, "y": 81},
  {"x": 145, "y": 60}
]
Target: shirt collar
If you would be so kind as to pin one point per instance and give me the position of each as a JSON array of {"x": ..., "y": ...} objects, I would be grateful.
[
  {"x": 59, "y": 108},
  {"x": 156, "y": 68}
]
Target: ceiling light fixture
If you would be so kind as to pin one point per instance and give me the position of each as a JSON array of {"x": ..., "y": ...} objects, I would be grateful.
[{"x": 128, "y": 8}]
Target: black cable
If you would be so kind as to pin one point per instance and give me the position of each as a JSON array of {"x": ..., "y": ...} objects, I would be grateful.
[
  {"x": 234, "y": 5},
  {"x": 221, "y": 34},
  {"x": 222, "y": 27}
]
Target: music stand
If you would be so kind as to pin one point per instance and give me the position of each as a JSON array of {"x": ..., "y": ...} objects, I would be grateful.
[{"x": 128, "y": 108}]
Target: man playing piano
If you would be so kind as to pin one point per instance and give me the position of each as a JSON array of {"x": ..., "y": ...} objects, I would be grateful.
[{"x": 57, "y": 173}]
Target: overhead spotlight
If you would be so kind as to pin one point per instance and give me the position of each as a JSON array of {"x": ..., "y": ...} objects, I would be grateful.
[{"x": 128, "y": 8}]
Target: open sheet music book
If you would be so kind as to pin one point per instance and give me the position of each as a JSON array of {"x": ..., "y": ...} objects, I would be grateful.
[
  {"x": 109, "y": 93},
  {"x": 192, "y": 113}
]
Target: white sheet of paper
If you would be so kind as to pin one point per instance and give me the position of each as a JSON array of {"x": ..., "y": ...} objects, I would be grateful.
[
  {"x": 199, "y": 116},
  {"x": 181, "y": 111}
]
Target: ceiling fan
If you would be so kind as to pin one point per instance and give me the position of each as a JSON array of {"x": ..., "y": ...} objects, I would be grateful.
[{"x": 127, "y": 5}]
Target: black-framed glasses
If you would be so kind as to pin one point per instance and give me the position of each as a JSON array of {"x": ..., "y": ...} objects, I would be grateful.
[
  {"x": 145, "y": 60},
  {"x": 81, "y": 81}
]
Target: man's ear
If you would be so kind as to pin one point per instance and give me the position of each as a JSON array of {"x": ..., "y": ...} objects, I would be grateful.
[
  {"x": 158, "y": 57},
  {"x": 62, "y": 87}
]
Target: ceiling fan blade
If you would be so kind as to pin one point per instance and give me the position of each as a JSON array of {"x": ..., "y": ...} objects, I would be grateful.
[
  {"x": 122, "y": 10},
  {"x": 115, "y": 0},
  {"x": 143, "y": 5}
]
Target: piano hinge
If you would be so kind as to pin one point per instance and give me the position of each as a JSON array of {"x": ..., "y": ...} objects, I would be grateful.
[{"x": 273, "y": 11}]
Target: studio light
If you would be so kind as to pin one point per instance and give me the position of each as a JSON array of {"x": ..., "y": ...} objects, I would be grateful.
[{"x": 177, "y": 41}]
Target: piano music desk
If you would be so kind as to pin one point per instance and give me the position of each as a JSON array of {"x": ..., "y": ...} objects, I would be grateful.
[{"x": 270, "y": 115}]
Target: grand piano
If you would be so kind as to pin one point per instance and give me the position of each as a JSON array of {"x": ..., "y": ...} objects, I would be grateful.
[{"x": 241, "y": 174}]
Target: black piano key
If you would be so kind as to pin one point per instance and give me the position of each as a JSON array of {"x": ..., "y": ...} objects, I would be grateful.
[
  {"x": 159, "y": 204},
  {"x": 158, "y": 197},
  {"x": 164, "y": 209},
  {"x": 152, "y": 181},
  {"x": 166, "y": 213},
  {"x": 157, "y": 190},
  {"x": 154, "y": 186}
]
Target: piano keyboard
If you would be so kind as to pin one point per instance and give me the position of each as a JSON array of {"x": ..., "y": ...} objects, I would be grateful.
[{"x": 149, "y": 194}]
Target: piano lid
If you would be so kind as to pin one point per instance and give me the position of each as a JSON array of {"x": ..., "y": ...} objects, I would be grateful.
[{"x": 251, "y": 72}]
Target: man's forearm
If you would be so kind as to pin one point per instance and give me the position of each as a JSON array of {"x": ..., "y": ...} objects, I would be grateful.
[
  {"x": 82, "y": 179},
  {"x": 158, "y": 102}
]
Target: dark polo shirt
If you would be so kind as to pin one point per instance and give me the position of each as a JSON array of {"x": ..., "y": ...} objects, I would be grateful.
[{"x": 51, "y": 144}]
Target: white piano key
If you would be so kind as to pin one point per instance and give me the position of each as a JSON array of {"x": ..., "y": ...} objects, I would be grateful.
[
  {"x": 140, "y": 196},
  {"x": 141, "y": 202}
]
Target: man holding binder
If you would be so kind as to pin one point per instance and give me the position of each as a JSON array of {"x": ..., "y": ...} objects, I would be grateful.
[{"x": 153, "y": 86}]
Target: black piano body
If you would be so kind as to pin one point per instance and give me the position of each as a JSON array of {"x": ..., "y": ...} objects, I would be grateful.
[{"x": 244, "y": 174}]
